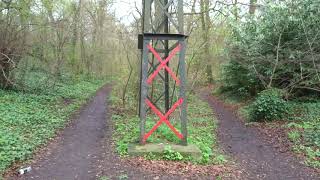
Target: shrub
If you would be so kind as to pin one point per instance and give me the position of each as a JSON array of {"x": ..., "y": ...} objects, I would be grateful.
[
  {"x": 269, "y": 105},
  {"x": 313, "y": 136},
  {"x": 239, "y": 80},
  {"x": 274, "y": 47}
]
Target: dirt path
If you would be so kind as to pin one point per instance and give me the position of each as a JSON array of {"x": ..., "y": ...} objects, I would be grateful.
[
  {"x": 84, "y": 150},
  {"x": 72, "y": 154},
  {"x": 255, "y": 155}
]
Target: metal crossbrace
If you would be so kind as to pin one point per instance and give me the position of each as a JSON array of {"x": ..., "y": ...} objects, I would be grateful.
[
  {"x": 170, "y": 49},
  {"x": 155, "y": 25},
  {"x": 154, "y": 68},
  {"x": 148, "y": 80},
  {"x": 152, "y": 106},
  {"x": 155, "y": 21},
  {"x": 175, "y": 84},
  {"x": 163, "y": 64},
  {"x": 155, "y": 102},
  {"x": 163, "y": 119}
]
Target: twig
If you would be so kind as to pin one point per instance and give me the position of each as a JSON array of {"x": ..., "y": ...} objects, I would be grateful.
[
  {"x": 311, "y": 50},
  {"x": 9, "y": 59},
  {"x": 259, "y": 76},
  {"x": 309, "y": 88},
  {"x": 5, "y": 76},
  {"x": 277, "y": 62}
]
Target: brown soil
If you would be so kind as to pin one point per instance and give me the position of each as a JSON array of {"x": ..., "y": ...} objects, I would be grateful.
[
  {"x": 252, "y": 150},
  {"x": 80, "y": 147},
  {"x": 84, "y": 150}
]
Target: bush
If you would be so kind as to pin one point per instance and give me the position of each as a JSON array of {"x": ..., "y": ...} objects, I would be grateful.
[
  {"x": 312, "y": 133},
  {"x": 239, "y": 80},
  {"x": 268, "y": 106},
  {"x": 274, "y": 48}
]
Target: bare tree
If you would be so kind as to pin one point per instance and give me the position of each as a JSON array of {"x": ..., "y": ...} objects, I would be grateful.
[{"x": 206, "y": 25}]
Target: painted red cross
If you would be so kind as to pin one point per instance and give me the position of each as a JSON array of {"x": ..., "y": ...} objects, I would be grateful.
[
  {"x": 163, "y": 119},
  {"x": 163, "y": 63}
]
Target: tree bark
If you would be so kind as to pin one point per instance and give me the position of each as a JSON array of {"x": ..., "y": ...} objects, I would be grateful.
[
  {"x": 235, "y": 10},
  {"x": 253, "y": 6},
  {"x": 205, "y": 21},
  {"x": 4, "y": 74},
  {"x": 75, "y": 38}
]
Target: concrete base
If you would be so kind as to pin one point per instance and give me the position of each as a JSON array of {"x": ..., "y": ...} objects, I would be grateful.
[{"x": 140, "y": 150}]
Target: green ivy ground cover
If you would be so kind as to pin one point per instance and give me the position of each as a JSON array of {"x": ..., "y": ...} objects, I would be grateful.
[
  {"x": 201, "y": 129},
  {"x": 28, "y": 120},
  {"x": 305, "y": 131}
]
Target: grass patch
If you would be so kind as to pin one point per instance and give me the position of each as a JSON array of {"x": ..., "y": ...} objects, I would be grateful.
[
  {"x": 201, "y": 130},
  {"x": 28, "y": 120}
]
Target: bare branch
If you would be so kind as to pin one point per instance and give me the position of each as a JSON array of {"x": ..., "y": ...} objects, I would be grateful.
[
  {"x": 9, "y": 59},
  {"x": 277, "y": 61}
]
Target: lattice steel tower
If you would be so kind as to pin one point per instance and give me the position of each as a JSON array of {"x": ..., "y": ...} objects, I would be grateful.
[{"x": 163, "y": 70}]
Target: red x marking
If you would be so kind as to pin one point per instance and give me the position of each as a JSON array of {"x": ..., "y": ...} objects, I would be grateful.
[
  {"x": 163, "y": 64},
  {"x": 163, "y": 119}
]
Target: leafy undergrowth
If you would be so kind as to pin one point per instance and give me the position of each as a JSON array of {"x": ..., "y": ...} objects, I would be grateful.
[
  {"x": 305, "y": 131},
  {"x": 302, "y": 125},
  {"x": 201, "y": 130},
  {"x": 28, "y": 120}
]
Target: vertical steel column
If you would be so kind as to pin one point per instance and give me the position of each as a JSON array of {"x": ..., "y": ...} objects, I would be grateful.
[
  {"x": 147, "y": 16},
  {"x": 147, "y": 28},
  {"x": 182, "y": 70},
  {"x": 144, "y": 89},
  {"x": 180, "y": 17},
  {"x": 141, "y": 57},
  {"x": 166, "y": 47}
]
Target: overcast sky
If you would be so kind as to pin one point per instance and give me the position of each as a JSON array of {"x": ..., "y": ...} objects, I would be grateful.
[{"x": 125, "y": 9}]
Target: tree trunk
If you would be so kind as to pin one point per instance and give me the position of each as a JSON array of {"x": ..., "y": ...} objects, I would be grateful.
[
  {"x": 235, "y": 10},
  {"x": 82, "y": 64},
  {"x": 205, "y": 21},
  {"x": 75, "y": 38},
  {"x": 4, "y": 74},
  {"x": 2, "y": 78},
  {"x": 191, "y": 17},
  {"x": 253, "y": 6}
]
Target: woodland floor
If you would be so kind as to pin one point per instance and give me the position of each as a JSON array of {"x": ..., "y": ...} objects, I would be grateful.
[
  {"x": 84, "y": 149},
  {"x": 256, "y": 152}
]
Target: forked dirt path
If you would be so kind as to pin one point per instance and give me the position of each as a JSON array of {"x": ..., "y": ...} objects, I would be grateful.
[
  {"x": 255, "y": 155},
  {"x": 84, "y": 149}
]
